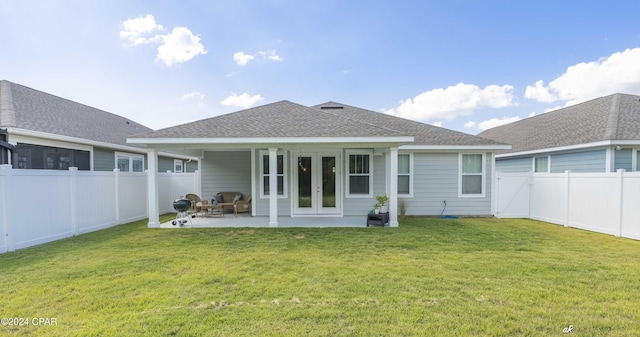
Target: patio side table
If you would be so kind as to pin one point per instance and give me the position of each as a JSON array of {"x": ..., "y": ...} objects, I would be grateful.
[{"x": 380, "y": 219}]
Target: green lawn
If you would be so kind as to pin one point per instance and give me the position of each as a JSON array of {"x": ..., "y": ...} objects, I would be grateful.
[{"x": 466, "y": 277}]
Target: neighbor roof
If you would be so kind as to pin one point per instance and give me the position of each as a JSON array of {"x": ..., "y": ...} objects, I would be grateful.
[
  {"x": 25, "y": 108},
  {"x": 608, "y": 118}
]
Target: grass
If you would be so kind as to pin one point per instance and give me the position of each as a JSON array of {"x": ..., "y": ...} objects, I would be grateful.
[{"x": 466, "y": 277}]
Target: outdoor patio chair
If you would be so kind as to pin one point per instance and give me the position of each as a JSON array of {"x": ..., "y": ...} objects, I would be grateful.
[
  {"x": 242, "y": 206},
  {"x": 196, "y": 203}
]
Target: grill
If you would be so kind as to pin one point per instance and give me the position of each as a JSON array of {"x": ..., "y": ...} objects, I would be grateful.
[{"x": 182, "y": 206}]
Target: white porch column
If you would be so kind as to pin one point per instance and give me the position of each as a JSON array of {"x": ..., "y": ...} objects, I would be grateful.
[
  {"x": 273, "y": 187},
  {"x": 152, "y": 189},
  {"x": 254, "y": 192},
  {"x": 393, "y": 187},
  {"x": 198, "y": 176}
]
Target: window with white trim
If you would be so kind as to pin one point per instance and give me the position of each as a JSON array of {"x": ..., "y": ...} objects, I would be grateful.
[
  {"x": 541, "y": 164},
  {"x": 281, "y": 174},
  {"x": 405, "y": 174},
  {"x": 359, "y": 172},
  {"x": 178, "y": 166},
  {"x": 127, "y": 162},
  {"x": 472, "y": 175}
]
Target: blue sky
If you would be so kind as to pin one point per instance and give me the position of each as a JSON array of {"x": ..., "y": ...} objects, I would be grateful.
[{"x": 462, "y": 65}]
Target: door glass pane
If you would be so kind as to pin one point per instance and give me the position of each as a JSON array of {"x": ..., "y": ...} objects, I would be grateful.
[
  {"x": 328, "y": 182},
  {"x": 304, "y": 182}
]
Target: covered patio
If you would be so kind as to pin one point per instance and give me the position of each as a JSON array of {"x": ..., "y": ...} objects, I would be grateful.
[{"x": 321, "y": 170}]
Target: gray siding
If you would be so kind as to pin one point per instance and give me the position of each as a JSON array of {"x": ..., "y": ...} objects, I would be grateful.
[
  {"x": 191, "y": 166},
  {"x": 435, "y": 179},
  {"x": 510, "y": 165},
  {"x": 577, "y": 161},
  {"x": 623, "y": 160},
  {"x": 103, "y": 159},
  {"x": 164, "y": 164},
  {"x": 226, "y": 171},
  {"x": 583, "y": 161}
]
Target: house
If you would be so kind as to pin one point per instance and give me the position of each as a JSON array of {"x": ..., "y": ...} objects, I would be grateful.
[
  {"x": 43, "y": 131},
  {"x": 601, "y": 135},
  {"x": 331, "y": 160}
]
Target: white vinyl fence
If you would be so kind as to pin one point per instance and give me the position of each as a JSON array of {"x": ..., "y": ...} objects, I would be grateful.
[
  {"x": 601, "y": 202},
  {"x": 38, "y": 206}
]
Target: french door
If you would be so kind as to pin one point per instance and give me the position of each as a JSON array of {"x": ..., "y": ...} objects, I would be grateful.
[{"x": 316, "y": 183}]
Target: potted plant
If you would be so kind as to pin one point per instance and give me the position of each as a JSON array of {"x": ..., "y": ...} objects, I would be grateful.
[
  {"x": 376, "y": 209},
  {"x": 382, "y": 202}
]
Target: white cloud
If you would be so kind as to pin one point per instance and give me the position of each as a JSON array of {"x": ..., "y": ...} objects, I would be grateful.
[
  {"x": 438, "y": 124},
  {"x": 493, "y": 122},
  {"x": 176, "y": 47},
  {"x": 540, "y": 93},
  {"x": 470, "y": 124},
  {"x": 179, "y": 46},
  {"x": 458, "y": 100},
  {"x": 270, "y": 55},
  {"x": 137, "y": 30},
  {"x": 243, "y": 101},
  {"x": 196, "y": 95},
  {"x": 620, "y": 72},
  {"x": 192, "y": 95},
  {"x": 241, "y": 58}
]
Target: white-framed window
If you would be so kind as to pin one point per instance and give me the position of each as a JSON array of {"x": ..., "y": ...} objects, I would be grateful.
[
  {"x": 541, "y": 164},
  {"x": 359, "y": 171},
  {"x": 405, "y": 174},
  {"x": 472, "y": 175},
  {"x": 178, "y": 166},
  {"x": 128, "y": 162},
  {"x": 281, "y": 174}
]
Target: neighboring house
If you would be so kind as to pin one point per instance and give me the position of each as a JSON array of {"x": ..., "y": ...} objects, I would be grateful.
[
  {"x": 332, "y": 160},
  {"x": 49, "y": 132},
  {"x": 601, "y": 135}
]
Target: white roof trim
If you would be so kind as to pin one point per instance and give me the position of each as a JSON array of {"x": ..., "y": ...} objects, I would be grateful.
[
  {"x": 86, "y": 142},
  {"x": 271, "y": 140},
  {"x": 455, "y": 147},
  {"x": 571, "y": 147}
]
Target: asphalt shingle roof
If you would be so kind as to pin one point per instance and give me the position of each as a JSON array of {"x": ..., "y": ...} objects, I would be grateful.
[
  {"x": 25, "y": 108},
  {"x": 424, "y": 134},
  {"x": 613, "y": 117},
  {"x": 279, "y": 119},
  {"x": 331, "y": 119}
]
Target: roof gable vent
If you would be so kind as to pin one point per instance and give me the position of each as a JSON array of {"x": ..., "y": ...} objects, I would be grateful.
[{"x": 331, "y": 107}]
